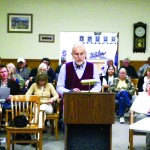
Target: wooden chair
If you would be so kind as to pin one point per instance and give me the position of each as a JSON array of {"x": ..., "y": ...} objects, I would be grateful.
[
  {"x": 2, "y": 119},
  {"x": 28, "y": 106},
  {"x": 135, "y": 83},
  {"x": 131, "y": 117},
  {"x": 54, "y": 117},
  {"x": 131, "y": 131}
]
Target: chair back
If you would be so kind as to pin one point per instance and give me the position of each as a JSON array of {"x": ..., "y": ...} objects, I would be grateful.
[
  {"x": 27, "y": 105},
  {"x": 135, "y": 83}
]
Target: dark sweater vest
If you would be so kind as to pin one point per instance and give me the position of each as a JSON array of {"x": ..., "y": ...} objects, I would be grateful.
[{"x": 72, "y": 80}]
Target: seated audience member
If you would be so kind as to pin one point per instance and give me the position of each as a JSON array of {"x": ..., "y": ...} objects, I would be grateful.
[
  {"x": 143, "y": 80},
  {"x": 5, "y": 82},
  {"x": 141, "y": 106},
  {"x": 12, "y": 75},
  {"x": 124, "y": 89},
  {"x": 146, "y": 78},
  {"x": 108, "y": 78},
  {"x": 63, "y": 61},
  {"x": 42, "y": 68},
  {"x": 143, "y": 68},
  {"x": 25, "y": 65},
  {"x": 105, "y": 67},
  {"x": 131, "y": 72},
  {"x": 46, "y": 91},
  {"x": 50, "y": 71},
  {"x": 22, "y": 70},
  {"x": 72, "y": 73}
]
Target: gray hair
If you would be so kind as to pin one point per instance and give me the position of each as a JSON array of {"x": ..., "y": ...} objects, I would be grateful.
[
  {"x": 78, "y": 45},
  {"x": 126, "y": 59}
]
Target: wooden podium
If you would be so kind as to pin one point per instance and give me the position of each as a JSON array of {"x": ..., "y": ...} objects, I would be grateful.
[{"x": 88, "y": 119}]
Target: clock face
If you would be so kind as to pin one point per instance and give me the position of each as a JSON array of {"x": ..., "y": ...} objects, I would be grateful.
[{"x": 139, "y": 31}]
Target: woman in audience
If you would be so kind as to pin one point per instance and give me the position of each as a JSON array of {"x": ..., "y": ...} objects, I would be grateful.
[
  {"x": 14, "y": 76},
  {"x": 108, "y": 64},
  {"x": 50, "y": 71},
  {"x": 146, "y": 78},
  {"x": 42, "y": 68},
  {"x": 108, "y": 78},
  {"x": 143, "y": 80},
  {"x": 46, "y": 91},
  {"x": 124, "y": 89},
  {"x": 141, "y": 106}
]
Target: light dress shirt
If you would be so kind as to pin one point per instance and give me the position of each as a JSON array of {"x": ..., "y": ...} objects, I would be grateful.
[
  {"x": 146, "y": 80},
  {"x": 142, "y": 70},
  {"x": 79, "y": 71},
  {"x": 141, "y": 104},
  {"x": 110, "y": 81}
]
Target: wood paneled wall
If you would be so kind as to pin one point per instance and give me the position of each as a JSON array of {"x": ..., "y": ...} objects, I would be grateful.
[
  {"x": 136, "y": 63},
  {"x": 32, "y": 63}
]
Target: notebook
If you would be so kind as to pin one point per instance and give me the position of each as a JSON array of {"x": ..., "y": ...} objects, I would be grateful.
[{"x": 4, "y": 93}]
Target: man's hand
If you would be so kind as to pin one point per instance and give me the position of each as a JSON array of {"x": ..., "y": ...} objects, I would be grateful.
[
  {"x": 76, "y": 90},
  {"x": 8, "y": 98}
]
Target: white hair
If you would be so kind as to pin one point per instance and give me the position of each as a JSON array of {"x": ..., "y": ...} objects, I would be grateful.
[
  {"x": 78, "y": 45},
  {"x": 123, "y": 69},
  {"x": 42, "y": 66}
]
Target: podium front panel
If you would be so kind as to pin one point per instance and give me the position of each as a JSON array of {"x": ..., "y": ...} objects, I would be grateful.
[
  {"x": 88, "y": 137},
  {"x": 89, "y": 108}
]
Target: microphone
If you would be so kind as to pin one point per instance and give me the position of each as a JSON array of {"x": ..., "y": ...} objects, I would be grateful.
[{"x": 88, "y": 82}]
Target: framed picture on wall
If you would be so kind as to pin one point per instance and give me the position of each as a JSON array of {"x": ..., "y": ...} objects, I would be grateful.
[
  {"x": 46, "y": 38},
  {"x": 19, "y": 23}
]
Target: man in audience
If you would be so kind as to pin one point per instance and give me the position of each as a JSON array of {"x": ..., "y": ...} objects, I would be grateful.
[
  {"x": 63, "y": 61},
  {"x": 131, "y": 72},
  {"x": 143, "y": 68},
  {"x": 50, "y": 71},
  {"x": 73, "y": 72},
  {"x": 22, "y": 70},
  {"x": 7, "y": 83},
  {"x": 109, "y": 62}
]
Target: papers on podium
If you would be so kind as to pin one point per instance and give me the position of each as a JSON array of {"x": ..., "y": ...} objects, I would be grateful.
[
  {"x": 141, "y": 125},
  {"x": 88, "y": 81}
]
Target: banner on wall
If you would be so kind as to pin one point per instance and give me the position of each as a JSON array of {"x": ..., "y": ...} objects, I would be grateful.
[{"x": 100, "y": 46}]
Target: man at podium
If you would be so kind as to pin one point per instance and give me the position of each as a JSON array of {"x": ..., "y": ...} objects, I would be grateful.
[{"x": 72, "y": 73}]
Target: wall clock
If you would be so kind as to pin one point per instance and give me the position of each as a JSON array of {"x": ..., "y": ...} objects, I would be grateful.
[{"x": 139, "y": 37}]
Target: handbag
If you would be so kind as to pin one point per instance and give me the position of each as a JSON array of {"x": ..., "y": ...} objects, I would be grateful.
[{"x": 21, "y": 121}]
